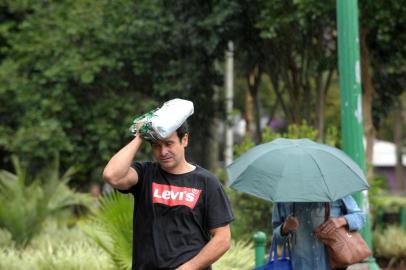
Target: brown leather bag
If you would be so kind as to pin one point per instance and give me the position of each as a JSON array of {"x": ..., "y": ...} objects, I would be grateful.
[{"x": 344, "y": 247}]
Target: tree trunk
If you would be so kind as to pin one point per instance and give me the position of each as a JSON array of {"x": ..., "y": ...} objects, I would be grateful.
[
  {"x": 257, "y": 118},
  {"x": 253, "y": 85},
  {"x": 321, "y": 102},
  {"x": 398, "y": 123},
  {"x": 279, "y": 97},
  {"x": 248, "y": 113},
  {"x": 367, "y": 96}
]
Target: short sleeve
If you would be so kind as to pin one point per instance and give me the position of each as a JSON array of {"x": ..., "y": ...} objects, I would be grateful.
[
  {"x": 140, "y": 168},
  {"x": 219, "y": 211}
]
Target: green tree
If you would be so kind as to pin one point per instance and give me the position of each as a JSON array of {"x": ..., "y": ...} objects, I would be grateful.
[
  {"x": 79, "y": 71},
  {"x": 383, "y": 55}
]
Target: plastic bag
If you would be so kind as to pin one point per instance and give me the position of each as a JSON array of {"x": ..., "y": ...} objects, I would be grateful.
[
  {"x": 276, "y": 263},
  {"x": 160, "y": 123}
]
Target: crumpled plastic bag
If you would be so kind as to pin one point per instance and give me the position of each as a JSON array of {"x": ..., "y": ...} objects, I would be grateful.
[{"x": 161, "y": 122}]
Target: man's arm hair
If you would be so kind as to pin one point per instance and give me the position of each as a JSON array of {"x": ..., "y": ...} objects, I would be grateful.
[
  {"x": 118, "y": 171},
  {"x": 212, "y": 251}
]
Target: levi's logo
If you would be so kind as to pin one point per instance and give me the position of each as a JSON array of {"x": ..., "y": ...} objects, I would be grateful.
[{"x": 173, "y": 195}]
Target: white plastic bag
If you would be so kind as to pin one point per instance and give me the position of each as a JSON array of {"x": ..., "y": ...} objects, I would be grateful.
[{"x": 160, "y": 123}]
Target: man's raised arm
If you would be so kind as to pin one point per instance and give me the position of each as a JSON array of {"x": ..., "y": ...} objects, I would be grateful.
[{"x": 118, "y": 172}]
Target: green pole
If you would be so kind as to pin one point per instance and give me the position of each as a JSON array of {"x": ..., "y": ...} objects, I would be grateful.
[
  {"x": 351, "y": 100},
  {"x": 402, "y": 214},
  {"x": 259, "y": 243}
]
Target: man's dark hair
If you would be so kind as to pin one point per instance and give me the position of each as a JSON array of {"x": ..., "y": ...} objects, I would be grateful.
[{"x": 182, "y": 130}]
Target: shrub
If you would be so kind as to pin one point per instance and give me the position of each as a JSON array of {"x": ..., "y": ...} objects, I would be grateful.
[
  {"x": 56, "y": 248},
  {"x": 25, "y": 203},
  {"x": 390, "y": 244},
  {"x": 239, "y": 257}
]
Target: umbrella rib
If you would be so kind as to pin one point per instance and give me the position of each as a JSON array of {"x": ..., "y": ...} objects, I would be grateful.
[
  {"x": 338, "y": 158},
  {"x": 315, "y": 161}
]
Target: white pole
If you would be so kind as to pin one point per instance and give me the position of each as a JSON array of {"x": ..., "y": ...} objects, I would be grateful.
[{"x": 229, "y": 104}]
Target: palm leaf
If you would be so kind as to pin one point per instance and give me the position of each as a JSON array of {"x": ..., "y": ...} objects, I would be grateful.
[
  {"x": 26, "y": 203},
  {"x": 111, "y": 228}
]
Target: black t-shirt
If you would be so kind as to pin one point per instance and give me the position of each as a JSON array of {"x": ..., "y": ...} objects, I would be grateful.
[{"x": 173, "y": 215}]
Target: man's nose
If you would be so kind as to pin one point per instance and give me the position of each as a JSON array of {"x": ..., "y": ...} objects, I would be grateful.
[{"x": 164, "y": 150}]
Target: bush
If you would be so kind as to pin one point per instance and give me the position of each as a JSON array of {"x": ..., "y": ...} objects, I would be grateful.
[
  {"x": 25, "y": 203},
  {"x": 390, "y": 244},
  {"x": 239, "y": 257},
  {"x": 56, "y": 248}
]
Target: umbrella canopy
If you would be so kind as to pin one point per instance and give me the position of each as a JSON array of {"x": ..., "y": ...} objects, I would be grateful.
[{"x": 296, "y": 170}]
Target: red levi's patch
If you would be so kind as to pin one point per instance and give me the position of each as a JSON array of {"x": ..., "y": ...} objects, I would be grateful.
[{"x": 173, "y": 195}]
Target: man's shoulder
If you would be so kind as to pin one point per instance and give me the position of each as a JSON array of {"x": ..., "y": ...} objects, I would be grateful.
[
  {"x": 206, "y": 174},
  {"x": 141, "y": 166},
  {"x": 202, "y": 171}
]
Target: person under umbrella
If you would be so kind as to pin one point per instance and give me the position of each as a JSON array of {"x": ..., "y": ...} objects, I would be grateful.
[
  {"x": 299, "y": 219},
  {"x": 300, "y": 176}
]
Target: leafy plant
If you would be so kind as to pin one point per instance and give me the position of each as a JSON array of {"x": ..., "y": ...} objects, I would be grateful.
[
  {"x": 239, "y": 257},
  {"x": 111, "y": 228},
  {"x": 57, "y": 247},
  {"x": 391, "y": 245},
  {"x": 26, "y": 203}
]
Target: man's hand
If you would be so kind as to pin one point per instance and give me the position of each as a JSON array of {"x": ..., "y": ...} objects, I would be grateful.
[
  {"x": 212, "y": 251},
  {"x": 332, "y": 224},
  {"x": 138, "y": 127},
  {"x": 291, "y": 223},
  {"x": 186, "y": 266}
]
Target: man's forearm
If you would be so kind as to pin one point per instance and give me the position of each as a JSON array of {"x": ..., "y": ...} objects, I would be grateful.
[
  {"x": 120, "y": 163},
  {"x": 211, "y": 252}
]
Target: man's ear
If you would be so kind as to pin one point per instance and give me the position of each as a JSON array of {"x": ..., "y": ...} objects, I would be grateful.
[{"x": 185, "y": 140}]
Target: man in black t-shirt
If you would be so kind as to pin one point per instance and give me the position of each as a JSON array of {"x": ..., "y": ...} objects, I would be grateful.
[{"x": 181, "y": 212}]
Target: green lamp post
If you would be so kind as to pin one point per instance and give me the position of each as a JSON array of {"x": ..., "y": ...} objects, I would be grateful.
[{"x": 351, "y": 99}]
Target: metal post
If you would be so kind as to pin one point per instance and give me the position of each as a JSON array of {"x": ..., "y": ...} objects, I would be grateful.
[
  {"x": 402, "y": 213},
  {"x": 228, "y": 153},
  {"x": 351, "y": 99},
  {"x": 259, "y": 243}
]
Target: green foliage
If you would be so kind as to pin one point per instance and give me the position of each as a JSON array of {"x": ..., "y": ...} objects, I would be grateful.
[
  {"x": 391, "y": 245},
  {"x": 57, "y": 247},
  {"x": 390, "y": 203},
  {"x": 251, "y": 214},
  {"x": 239, "y": 257},
  {"x": 80, "y": 71},
  {"x": 377, "y": 188},
  {"x": 111, "y": 228},
  {"x": 25, "y": 203},
  {"x": 243, "y": 146}
]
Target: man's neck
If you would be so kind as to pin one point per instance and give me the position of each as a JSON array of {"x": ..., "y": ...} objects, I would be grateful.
[{"x": 182, "y": 168}]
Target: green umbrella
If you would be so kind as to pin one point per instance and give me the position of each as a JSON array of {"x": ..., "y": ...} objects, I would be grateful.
[{"x": 296, "y": 170}]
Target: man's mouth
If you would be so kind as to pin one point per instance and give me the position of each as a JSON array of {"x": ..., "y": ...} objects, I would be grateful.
[{"x": 166, "y": 159}]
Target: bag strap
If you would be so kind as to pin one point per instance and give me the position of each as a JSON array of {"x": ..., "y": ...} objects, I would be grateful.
[
  {"x": 286, "y": 250},
  {"x": 273, "y": 251},
  {"x": 326, "y": 211}
]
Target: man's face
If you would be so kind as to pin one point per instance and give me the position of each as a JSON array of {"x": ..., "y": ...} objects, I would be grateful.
[{"x": 170, "y": 152}]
